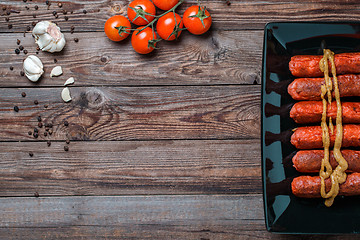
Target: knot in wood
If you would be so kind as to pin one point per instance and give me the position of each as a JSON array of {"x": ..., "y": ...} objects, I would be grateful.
[
  {"x": 117, "y": 9},
  {"x": 92, "y": 99}
]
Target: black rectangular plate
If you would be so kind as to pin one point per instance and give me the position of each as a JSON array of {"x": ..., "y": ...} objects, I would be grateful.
[{"x": 285, "y": 213}]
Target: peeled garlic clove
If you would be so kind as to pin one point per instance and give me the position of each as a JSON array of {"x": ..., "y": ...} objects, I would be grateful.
[
  {"x": 69, "y": 81},
  {"x": 48, "y": 36},
  {"x": 56, "y": 71},
  {"x": 33, "y": 68},
  {"x": 65, "y": 95}
]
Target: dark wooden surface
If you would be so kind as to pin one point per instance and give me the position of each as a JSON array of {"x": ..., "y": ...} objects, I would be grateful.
[{"x": 165, "y": 146}]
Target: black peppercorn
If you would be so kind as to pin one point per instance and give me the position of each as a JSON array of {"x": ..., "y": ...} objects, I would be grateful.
[
  {"x": 21, "y": 72},
  {"x": 76, "y": 40},
  {"x": 36, "y": 102},
  {"x": 48, "y": 143},
  {"x": 66, "y": 148},
  {"x": 36, "y": 135},
  {"x": 36, "y": 130},
  {"x": 31, "y": 154},
  {"x": 11, "y": 68},
  {"x": 10, "y": 26},
  {"x": 23, "y": 94},
  {"x": 17, "y": 51},
  {"x": 18, "y": 41},
  {"x": 30, "y": 133},
  {"x": 25, "y": 51},
  {"x": 66, "y": 123},
  {"x": 16, "y": 108},
  {"x": 21, "y": 47},
  {"x": 36, "y": 7}
]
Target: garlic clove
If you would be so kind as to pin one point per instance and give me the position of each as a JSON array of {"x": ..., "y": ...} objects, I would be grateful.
[
  {"x": 33, "y": 77},
  {"x": 36, "y": 60},
  {"x": 40, "y": 28},
  {"x": 33, "y": 68},
  {"x": 69, "y": 81},
  {"x": 56, "y": 71},
  {"x": 45, "y": 41},
  {"x": 65, "y": 95},
  {"x": 60, "y": 44}
]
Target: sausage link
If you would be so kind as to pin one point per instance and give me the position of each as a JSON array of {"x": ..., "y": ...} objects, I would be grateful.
[
  {"x": 309, "y": 187},
  {"x": 311, "y": 112},
  {"x": 311, "y": 137},
  {"x": 310, "y": 88},
  {"x": 309, "y": 161},
  {"x": 308, "y": 65}
]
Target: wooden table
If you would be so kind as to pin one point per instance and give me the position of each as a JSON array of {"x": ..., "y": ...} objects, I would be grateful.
[{"x": 163, "y": 146}]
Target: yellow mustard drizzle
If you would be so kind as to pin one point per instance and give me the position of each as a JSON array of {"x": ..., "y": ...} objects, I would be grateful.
[{"x": 338, "y": 176}]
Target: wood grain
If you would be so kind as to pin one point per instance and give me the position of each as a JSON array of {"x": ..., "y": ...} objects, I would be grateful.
[
  {"x": 139, "y": 217},
  {"x": 135, "y": 217},
  {"x": 220, "y": 57},
  {"x": 238, "y": 16},
  {"x": 133, "y": 113},
  {"x": 135, "y": 167}
]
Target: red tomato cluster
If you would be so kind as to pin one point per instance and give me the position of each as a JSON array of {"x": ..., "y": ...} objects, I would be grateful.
[{"x": 197, "y": 20}]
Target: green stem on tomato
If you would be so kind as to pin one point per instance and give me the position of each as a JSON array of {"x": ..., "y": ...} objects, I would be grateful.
[{"x": 163, "y": 14}]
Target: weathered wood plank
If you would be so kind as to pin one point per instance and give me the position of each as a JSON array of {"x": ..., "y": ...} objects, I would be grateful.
[
  {"x": 145, "y": 167},
  {"x": 239, "y": 15},
  {"x": 222, "y": 57},
  {"x": 135, "y": 217},
  {"x": 124, "y": 113},
  {"x": 139, "y": 217}
]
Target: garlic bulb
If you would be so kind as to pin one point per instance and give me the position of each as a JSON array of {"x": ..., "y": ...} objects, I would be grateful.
[
  {"x": 33, "y": 68},
  {"x": 48, "y": 36}
]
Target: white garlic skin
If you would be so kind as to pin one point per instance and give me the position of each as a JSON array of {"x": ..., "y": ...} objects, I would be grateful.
[
  {"x": 33, "y": 68},
  {"x": 48, "y": 36}
]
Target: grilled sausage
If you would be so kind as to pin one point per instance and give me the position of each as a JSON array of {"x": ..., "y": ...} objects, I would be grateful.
[
  {"x": 309, "y": 187},
  {"x": 309, "y": 161},
  {"x": 311, "y": 137},
  {"x": 308, "y": 65},
  {"x": 310, "y": 88},
  {"x": 311, "y": 112}
]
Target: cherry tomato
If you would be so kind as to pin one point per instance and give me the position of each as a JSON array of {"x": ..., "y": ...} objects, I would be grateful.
[
  {"x": 145, "y": 41},
  {"x": 165, "y": 4},
  {"x": 194, "y": 24},
  {"x": 143, "y": 8},
  {"x": 116, "y": 28},
  {"x": 168, "y": 28}
]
